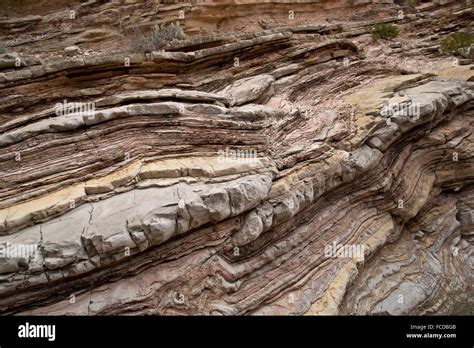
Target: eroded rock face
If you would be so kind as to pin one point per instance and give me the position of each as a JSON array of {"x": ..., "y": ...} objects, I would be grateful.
[{"x": 298, "y": 167}]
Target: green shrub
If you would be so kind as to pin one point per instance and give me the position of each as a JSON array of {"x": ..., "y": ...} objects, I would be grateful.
[
  {"x": 458, "y": 43},
  {"x": 157, "y": 38},
  {"x": 384, "y": 31},
  {"x": 410, "y": 3},
  {"x": 8, "y": 7}
]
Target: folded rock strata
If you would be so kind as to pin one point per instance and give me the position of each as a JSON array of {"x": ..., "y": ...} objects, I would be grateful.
[{"x": 310, "y": 177}]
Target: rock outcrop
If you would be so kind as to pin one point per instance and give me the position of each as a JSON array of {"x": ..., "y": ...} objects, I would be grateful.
[{"x": 277, "y": 161}]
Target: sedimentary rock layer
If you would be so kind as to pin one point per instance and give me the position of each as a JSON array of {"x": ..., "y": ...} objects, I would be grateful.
[{"x": 299, "y": 168}]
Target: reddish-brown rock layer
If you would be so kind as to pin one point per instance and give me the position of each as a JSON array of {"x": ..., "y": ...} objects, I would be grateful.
[{"x": 264, "y": 165}]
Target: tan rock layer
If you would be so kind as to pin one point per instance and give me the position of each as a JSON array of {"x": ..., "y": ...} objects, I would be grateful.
[{"x": 281, "y": 184}]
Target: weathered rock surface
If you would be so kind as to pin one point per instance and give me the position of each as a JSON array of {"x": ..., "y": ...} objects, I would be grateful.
[{"x": 287, "y": 165}]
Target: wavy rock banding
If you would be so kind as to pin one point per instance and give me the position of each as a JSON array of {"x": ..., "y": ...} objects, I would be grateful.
[{"x": 293, "y": 166}]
